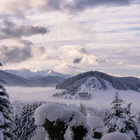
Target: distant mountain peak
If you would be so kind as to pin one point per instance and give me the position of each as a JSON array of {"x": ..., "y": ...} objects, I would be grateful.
[
  {"x": 26, "y": 73},
  {"x": 16, "y": 80}
]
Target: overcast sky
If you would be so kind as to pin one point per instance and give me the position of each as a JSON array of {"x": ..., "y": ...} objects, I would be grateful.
[{"x": 71, "y": 36}]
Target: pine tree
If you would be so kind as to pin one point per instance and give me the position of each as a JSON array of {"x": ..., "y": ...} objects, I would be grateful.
[
  {"x": 6, "y": 120},
  {"x": 130, "y": 127},
  {"x": 137, "y": 132},
  {"x": 106, "y": 117},
  {"x": 25, "y": 123},
  {"x": 120, "y": 119},
  {"x": 115, "y": 115}
]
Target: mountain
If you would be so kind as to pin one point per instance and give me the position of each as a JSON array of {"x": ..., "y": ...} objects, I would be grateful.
[
  {"x": 15, "y": 80},
  {"x": 26, "y": 73},
  {"x": 86, "y": 83}
]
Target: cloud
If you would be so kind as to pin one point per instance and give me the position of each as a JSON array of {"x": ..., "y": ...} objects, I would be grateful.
[
  {"x": 77, "y": 60},
  {"x": 26, "y": 42},
  {"x": 12, "y": 30},
  {"x": 15, "y": 54},
  {"x": 101, "y": 61},
  {"x": 21, "y": 7},
  {"x": 67, "y": 68},
  {"x": 80, "y": 53},
  {"x": 80, "y": 5}
]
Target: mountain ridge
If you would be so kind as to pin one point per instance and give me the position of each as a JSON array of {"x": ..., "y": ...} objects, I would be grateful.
[
  {"x": 91, "y": 81},
  {"x": 15, "y": 80},
  {"x": 28, "y": 74}
]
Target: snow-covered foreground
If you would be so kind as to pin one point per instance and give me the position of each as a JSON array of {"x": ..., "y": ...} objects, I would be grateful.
[{"x": 99, "y": 100}]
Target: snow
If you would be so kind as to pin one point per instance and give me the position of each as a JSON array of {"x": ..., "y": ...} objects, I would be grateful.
[
  {"x": 95, "y": 122},
  {"x": 88, "y": 85},
  {"x": 49, "y": 111},
  {"x": 120, "y": 123},
  {"x": 130, "y": 134},
  {"x": 53, "y": 112},
  {"x": 77, "y": 118},
  {"x": 115, "y": 136}
]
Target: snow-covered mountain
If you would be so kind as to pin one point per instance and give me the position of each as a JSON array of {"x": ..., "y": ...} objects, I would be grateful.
[
  {"x": 15, "y": 80},
  {"x": 85, "y": 84},
  {"x": 26, "y": 73}
]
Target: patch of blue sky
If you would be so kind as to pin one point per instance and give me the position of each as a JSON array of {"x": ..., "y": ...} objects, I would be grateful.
[
  {"x": 86, "y": 22},
  {"x": 123, "y": 30}
]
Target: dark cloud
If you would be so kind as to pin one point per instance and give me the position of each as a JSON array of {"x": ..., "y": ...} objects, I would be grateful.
[
  {"x": 77, "y": 60},
  {"x": 14, "y": 6},
  {"x": 12, "y": 30},
  {"x": 79, "y": 5},
  {"x": 53, "y": 5},
  {"x": 26, "y": 42},
  {"x": 15, "y": 54}
]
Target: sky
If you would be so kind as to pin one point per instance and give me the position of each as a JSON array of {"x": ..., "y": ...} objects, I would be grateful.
[{"x": 71, "y": 36}]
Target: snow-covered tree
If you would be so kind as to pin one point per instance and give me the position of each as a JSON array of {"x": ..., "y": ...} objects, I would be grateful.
[
  {"x": 115, "y": 117},
  {"x": 55, "y": 119},
  {"x": 97, "y": 126},
  {"x": 130, "y": 127},
  {"x": 106, "y": 117},
  {"x": 120, "y": 119},
  {"x": 77, "y": 123},
  {"x": 6, "y": 119},
  {"x": 50, "y": 116},
  {"x": 137, "y": 132},
  {"x": 25, "y": 123}
]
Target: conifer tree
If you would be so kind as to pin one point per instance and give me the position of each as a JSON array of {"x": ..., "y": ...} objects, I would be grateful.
[
  {"x": 120, "y": 119},
  {"x": 106, "y": 117},
  {"x": 137, "y": 132},
  {"x": 130, "y": 124},
  {"x": 115, "y": 115},
  {"x": 25, "y": 123},
  {"x": 6, "y": 120}
]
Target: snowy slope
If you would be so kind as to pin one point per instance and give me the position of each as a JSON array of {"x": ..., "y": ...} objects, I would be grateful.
[
  {"x": 26, "y": 73},
  {"x": 85, "y": 84}
]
